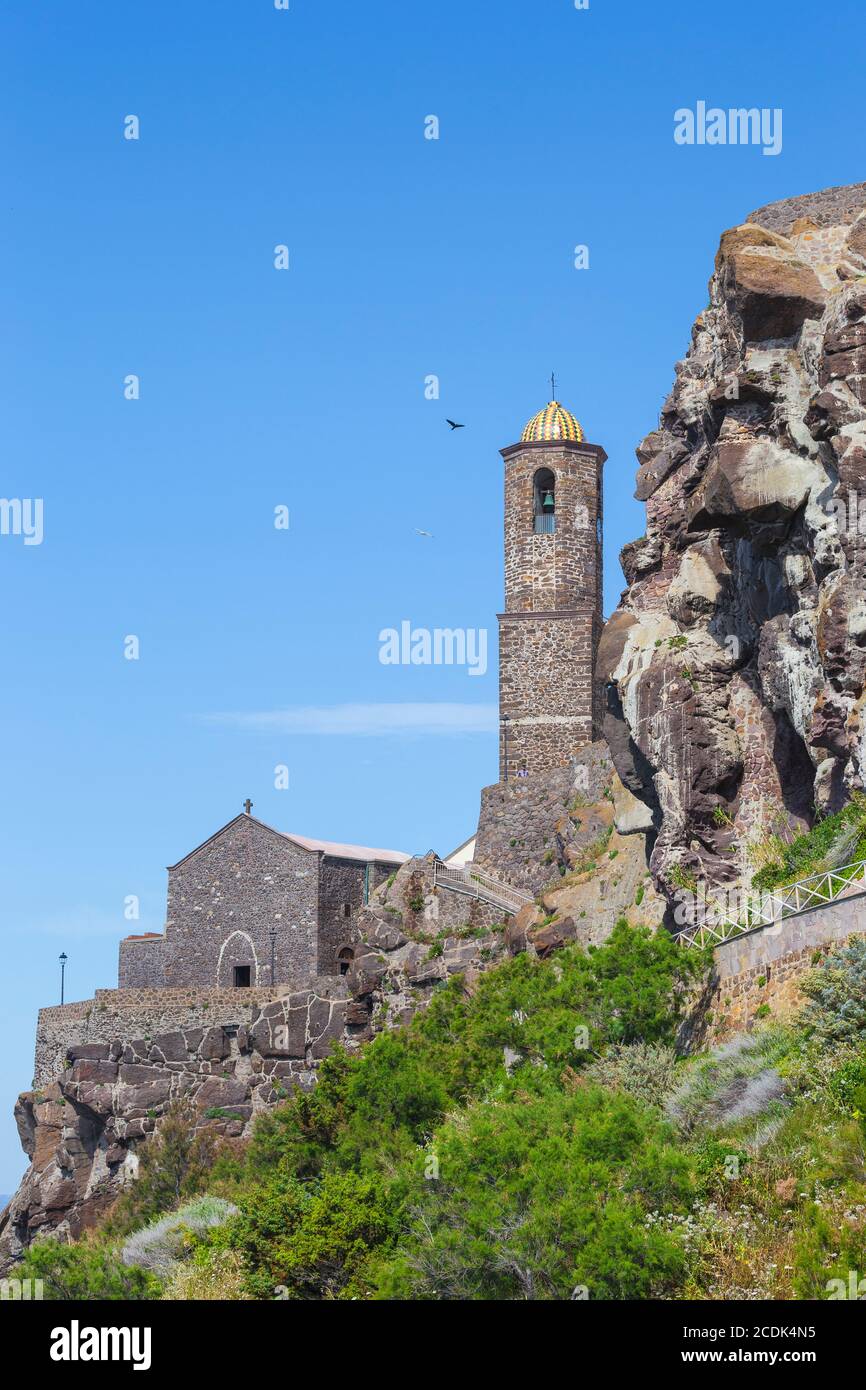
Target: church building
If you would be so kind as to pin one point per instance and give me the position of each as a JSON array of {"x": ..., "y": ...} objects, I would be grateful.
[
  {"x": 254, "y": 906},
  {"x": 550, "y": 703}
]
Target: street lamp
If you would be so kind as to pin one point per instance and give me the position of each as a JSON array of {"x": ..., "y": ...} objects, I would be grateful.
[
  {"x": 63, "y": 959},
  {"x": 504, "y": 722}
]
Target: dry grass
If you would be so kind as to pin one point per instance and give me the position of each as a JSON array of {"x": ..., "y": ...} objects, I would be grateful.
[{"x": 221, "y": 1278}]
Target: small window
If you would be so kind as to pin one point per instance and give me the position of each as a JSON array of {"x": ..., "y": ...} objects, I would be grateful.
[
  {"x": 345, "y": 909},
  {"x": 242, "y": 976}
]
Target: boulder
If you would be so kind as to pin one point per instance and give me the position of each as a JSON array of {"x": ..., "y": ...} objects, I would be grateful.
[
  {"x": 551, "y": 936},
  {"x": 771, "y": 292},
  {"x": 753, "y": 481}
]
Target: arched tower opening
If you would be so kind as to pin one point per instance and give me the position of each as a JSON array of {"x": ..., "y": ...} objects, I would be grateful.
[{"x": 544, "y": 502}]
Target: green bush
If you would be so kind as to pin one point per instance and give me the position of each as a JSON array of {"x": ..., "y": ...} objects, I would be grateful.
[
  {"x": 517, "y": 1210},
  {"x": 806, "y": 854},
  {"x": 165, "y": 1242},
  {"x": 174, "y": 1163},
  {"x": 836, "y": 990},
  {"x": 713, "y": 1162},
  {"x": 827, "y": 1251},
  {"x": 85, "y": 1271},
  {"x": 646, "y": 1071},
  {"x": 313, "y": 1241},
  {"x": 847, "y": 1086}
]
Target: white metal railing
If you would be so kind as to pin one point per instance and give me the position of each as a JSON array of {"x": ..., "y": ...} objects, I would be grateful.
[
  {"x": 465, "y": 878},
  {"x": 756, "y": 911}
]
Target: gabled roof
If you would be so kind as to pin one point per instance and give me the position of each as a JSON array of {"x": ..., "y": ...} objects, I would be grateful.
[{"x": 335, "y": 849}]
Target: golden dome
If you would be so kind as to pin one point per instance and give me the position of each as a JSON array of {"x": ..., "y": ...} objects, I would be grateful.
[{"x": 553, "y": 422}]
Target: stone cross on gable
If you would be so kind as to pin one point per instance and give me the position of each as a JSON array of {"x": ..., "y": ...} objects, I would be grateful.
[{"x": 248, "y": 805}]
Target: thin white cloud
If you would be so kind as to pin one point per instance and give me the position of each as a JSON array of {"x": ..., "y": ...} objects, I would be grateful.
[{"x": 372, "y": 721}]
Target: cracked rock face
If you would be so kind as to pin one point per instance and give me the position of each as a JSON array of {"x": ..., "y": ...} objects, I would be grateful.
[{"x": 736, "y": 660}]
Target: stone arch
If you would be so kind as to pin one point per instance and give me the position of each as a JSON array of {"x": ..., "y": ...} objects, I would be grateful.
[
  {"x": 544, "y": 500},
  {"x": 237, "y": 951},
  {"x": 345, "y": 957}
]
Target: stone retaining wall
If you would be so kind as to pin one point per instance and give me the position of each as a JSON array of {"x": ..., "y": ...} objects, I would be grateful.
[
  {"x": 136, "y": 1013},
  {"x": 759, "y": 974}
]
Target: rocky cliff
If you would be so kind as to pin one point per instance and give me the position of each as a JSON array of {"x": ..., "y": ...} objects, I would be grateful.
[{"x": 736, "y": 660}]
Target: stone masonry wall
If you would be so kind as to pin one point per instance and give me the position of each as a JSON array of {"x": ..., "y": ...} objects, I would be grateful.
[
  {"x": 109, "y": 1068},
  {"x": 223, "y": 900},
  {"x": 141, "y": 962},
  {"x": 546, "y": 687},
  {"x": 535, "y": 829},
  {"x": 135, "y": 1013},
  {"x": 411, "y": 908},
  {"x": 562, "y": 569},
  {"x": 760, "y": 973},
  {"x": 341, "y": 897},
  {"x": 549, "y": 632}
]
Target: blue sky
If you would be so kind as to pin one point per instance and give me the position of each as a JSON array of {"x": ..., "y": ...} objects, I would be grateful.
[{"x": 305, "y": 388}]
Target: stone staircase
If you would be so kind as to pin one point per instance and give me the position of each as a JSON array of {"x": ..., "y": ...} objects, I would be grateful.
[{"x": 466, "y": 878}]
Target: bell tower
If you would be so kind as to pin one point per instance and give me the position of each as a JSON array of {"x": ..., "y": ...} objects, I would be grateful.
[{"x": 549, "y": 702}]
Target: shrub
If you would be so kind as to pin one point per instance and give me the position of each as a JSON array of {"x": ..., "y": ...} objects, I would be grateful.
[
  {"x": 738, "y": 1081},
  {"x": 313, "y": 1241},
  {"x": 847, "y": 1086},
  {"x": 827, "y": 1250},
  {"x": 836, "y": 990},
  {"x": 645, "y": 1071},
  {"x": 166, "y": 1241},
  {"x": 173, "y": 1164},
  {"x": 85, "y": 1271},
  {"x": 212, "y": 1274},
  {"x": 712, "y": 1162},
  {"x": 837, "y": 839},
  {"x": 681, "y": 877},
  {"x": 516, "y": 1213}
]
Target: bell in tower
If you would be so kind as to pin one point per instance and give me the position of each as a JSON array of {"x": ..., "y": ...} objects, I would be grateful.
[{"x": 549, "y": 700}]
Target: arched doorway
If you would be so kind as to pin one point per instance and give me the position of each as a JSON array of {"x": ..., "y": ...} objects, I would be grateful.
[{"x": 238, "y": 967}]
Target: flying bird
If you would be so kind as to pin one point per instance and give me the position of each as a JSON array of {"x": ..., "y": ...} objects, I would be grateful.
[{"x": 454, "y": 425}]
